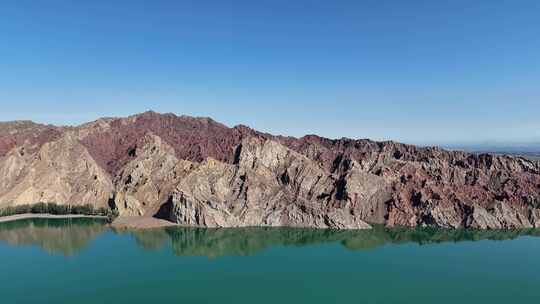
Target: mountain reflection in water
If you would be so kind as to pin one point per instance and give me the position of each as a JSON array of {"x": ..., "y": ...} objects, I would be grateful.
[
  {"x": 64, "y": 236},
  {"x": 71, "y": 236}
]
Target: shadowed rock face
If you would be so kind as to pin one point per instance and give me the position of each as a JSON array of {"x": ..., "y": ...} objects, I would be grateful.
[{"x": 197, "y": 172}]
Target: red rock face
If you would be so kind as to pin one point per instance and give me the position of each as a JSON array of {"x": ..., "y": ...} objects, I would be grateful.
[
  {"x": 17, "y": 134},
  {"x": 193, "y": 139},
  {"x": 7, "y": 143},
  {"x": 428, "y": 180}
]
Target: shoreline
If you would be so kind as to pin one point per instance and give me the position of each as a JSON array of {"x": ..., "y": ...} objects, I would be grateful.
[
  {"x": 24, "y": 216},
  {"x": 144, "y": 222},
  {"x": 147, "y": 222},
  {"x": 140, "y": 222}
]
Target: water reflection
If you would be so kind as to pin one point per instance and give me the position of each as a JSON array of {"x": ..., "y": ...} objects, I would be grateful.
[
  {"x": 70, "y": 236},
  {"x": 248, "y": 241},
  {"x": 64, "y": 236}
]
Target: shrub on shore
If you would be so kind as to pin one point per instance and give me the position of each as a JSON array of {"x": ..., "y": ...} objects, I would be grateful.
[{"x": 53, "y": 208}]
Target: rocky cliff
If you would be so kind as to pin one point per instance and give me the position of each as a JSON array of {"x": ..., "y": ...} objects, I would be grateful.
[{"x": 197, "y": 172}]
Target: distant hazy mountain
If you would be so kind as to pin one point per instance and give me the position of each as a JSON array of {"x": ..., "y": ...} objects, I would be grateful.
[{"x": 528, "y": 147}]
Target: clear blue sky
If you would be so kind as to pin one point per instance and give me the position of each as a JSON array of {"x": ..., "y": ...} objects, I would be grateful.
[{"x": 413, "y": 71}]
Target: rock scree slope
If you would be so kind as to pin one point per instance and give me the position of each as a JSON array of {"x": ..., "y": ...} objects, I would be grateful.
[{"x": 198, "y": 172}]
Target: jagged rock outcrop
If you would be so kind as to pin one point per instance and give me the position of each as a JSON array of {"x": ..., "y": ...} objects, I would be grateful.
[
  {"x": 147, "y": 181},
  {"x": 268, "y": 185},
  {"x": 197, "y": 172},
  {"x": 59, "y": 171}
]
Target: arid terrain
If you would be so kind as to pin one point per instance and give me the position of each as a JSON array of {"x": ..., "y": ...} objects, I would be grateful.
[{"x": 198, "y": 172}]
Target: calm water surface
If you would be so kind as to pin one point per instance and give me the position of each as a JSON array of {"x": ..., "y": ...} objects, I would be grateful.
[{"x": 84, "y": 261}]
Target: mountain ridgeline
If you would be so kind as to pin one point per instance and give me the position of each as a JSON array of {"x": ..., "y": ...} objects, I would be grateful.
[{"x": 197, "y": 172}]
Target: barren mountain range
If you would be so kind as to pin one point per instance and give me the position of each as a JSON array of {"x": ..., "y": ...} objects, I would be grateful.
[{"x": 198, "y": 172}]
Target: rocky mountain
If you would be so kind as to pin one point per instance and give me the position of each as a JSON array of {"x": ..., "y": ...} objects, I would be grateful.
[{"x": 198, "y": 172}]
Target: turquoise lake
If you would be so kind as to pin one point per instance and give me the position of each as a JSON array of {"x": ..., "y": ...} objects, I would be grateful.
[{"x": 86, "y": 261}]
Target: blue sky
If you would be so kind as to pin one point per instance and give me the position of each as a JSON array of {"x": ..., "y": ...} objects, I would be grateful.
[{"x": 413, "y": 71}]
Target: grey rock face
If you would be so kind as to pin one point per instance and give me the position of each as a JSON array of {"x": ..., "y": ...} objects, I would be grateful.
[
  {"x": 269, "y": 185},
  {"x": 60, "y": 171},
  {"x": 148, "y": 180}
]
